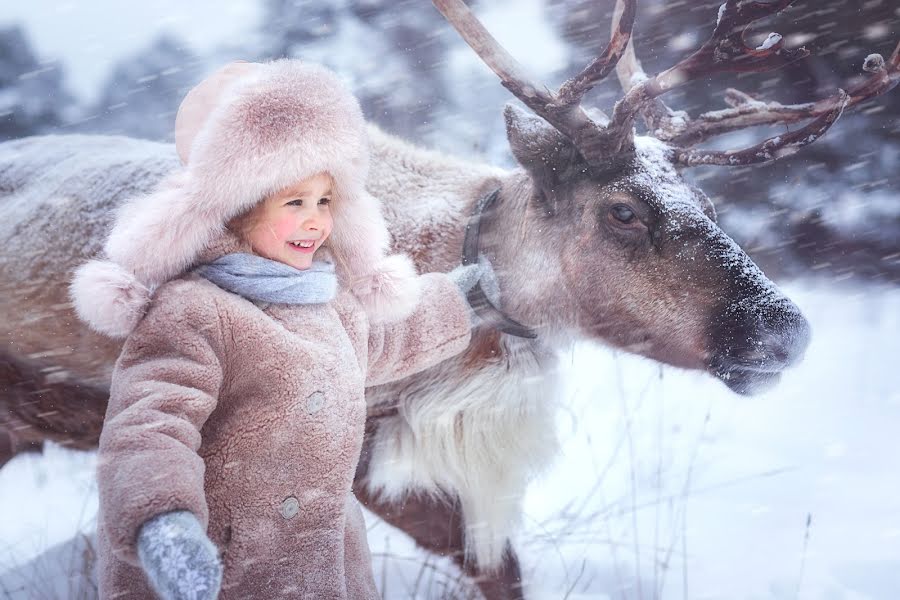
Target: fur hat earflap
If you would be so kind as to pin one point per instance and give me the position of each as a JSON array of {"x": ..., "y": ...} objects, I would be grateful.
[
  {"x": 152, "y": 241},
  {"x": 248, "y": 131}
]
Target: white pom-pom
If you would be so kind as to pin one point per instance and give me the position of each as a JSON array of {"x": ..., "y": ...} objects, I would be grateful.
[
  {"x": 391, "y": 292},
  {"x": 108, "y": 298}
]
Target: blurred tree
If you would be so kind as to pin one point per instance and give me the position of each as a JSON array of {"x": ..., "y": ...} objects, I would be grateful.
[
  {"x": 388, "y": 50},
  {"x": 32, "y": 98},
  {"x": 142, "y": 94}
]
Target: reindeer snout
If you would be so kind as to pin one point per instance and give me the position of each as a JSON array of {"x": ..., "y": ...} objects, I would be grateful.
[
  {"x": 794, "y": 337},
  {"x": 777, "y": 338},
  {"x": 758, "y": 338}
]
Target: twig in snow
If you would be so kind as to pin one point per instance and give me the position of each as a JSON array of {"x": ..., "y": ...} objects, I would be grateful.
[{"x": 803, "y": 555}]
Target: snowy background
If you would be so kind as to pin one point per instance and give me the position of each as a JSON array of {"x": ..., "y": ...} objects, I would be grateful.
[{"x": 669, "y": 486}]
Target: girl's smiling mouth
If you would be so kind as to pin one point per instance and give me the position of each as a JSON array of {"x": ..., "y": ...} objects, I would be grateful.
[{"x": 305, "y": 246}]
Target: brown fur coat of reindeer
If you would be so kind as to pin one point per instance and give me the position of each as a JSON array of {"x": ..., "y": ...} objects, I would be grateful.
[{"x": 629, "y": 255}]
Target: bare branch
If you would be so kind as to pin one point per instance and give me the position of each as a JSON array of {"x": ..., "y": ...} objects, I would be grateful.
[
  {"x": 735, "y": 98},
  {"x": 727, "y": 51}
]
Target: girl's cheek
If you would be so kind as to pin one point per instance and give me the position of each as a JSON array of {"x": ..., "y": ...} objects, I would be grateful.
[
  {"x": 329, "y": 227},
  {"x": 284, "y": 227}
]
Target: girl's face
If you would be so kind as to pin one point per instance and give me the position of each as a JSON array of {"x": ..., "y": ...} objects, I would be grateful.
[{"x": 292, "y": 224}]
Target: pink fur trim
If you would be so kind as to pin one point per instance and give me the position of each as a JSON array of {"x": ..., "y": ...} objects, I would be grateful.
[
  {"x": 200, "y": 102},
  {"x": 391, "y": 292},
  {"x": 159, "y": 236},
  {"x": 108, "y": 298},
  {"x": 360, "y": 237}
]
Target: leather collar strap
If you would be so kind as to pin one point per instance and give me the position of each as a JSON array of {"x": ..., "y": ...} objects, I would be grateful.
[{"x": 479, "y": 301}]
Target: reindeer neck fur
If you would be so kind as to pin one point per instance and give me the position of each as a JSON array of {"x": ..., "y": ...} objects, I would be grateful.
[
  {"x": 475, "y": 425},
  {"x": 526, "y": 263},
  {"x": 426, "y": 198}
]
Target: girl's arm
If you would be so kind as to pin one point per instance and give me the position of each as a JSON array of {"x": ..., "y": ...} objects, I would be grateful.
[
  {"x": 438, "y": 329},
  {"x": 165, "y": 385}
]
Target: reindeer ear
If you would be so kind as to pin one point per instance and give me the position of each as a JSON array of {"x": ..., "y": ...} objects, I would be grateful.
[{"x": 548, "y": 156}]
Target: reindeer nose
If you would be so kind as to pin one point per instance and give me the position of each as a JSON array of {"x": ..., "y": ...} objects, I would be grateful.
[
  {"x": 777, "y": 334},
  {"x": 788, "y": 338}
]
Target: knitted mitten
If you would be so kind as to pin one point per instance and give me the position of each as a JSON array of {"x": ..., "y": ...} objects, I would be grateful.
[
  {"x": 466, "y": 276},
  {"x": 489, "y": 281},
  {"x": 181, "y": 563}
]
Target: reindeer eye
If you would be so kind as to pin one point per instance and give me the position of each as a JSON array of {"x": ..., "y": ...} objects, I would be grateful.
[{"x": 622, "y": 213}]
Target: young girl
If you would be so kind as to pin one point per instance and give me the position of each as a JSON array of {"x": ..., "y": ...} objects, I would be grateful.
[{"x": 258, "y": 304}]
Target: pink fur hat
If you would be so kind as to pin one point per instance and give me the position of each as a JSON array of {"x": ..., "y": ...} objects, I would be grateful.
[{"x": 246, "y": 132}]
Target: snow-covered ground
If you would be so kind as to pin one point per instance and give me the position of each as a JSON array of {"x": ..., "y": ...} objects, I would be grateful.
[{"x": 669, "y": 486}]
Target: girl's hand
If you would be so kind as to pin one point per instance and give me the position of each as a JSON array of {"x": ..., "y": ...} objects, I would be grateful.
[
  {"x": 180, "y": 561},
  {"x": 465, "y": 278}
]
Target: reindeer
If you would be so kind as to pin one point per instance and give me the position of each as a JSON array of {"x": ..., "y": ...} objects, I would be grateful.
[{"x": 596, "y": 236}]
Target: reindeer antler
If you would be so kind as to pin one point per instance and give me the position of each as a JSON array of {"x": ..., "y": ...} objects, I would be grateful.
[
  {"x": 606, "y": 145},
  {"x": 727, "y": 51},
  {"x": 724, "y": 51},
  {"x": 747, "y": 112},
  {"x": 770, "y": 149},
  {"x": 601, "y": 146}
]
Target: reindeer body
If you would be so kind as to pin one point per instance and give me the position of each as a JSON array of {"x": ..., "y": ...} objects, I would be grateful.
[
  {"x": 476, "y": 425},
  {"x": 58, "y": 194}
]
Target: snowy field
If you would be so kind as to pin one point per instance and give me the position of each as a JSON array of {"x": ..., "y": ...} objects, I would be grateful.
[{"x": 669, "y": 486}]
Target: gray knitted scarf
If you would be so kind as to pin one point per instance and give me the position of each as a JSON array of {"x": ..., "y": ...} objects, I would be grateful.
[{"x": 260, "y": 279}]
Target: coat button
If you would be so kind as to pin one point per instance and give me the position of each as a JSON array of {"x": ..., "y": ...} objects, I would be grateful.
[
  {"x": 289, "y": 508},
  {"x": 315, "y": 402}
]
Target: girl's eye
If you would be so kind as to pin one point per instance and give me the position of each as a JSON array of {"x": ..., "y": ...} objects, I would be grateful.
[
  {"x": 297, "y": 202},
  {"x": 324, "y": 200}
]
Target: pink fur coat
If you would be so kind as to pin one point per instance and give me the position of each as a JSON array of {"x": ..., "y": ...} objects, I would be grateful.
[{"x": 252, "y": 418}]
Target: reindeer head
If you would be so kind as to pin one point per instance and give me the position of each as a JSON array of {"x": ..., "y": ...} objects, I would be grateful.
[{"x": 638, "y": 260}]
